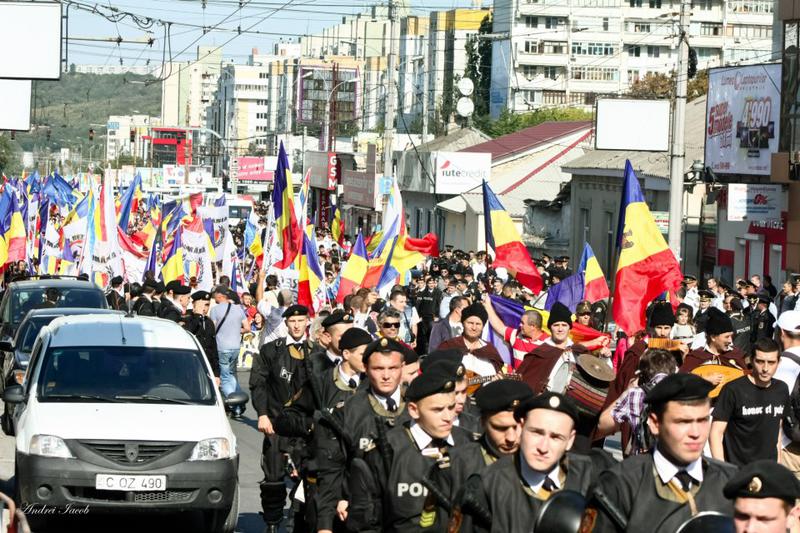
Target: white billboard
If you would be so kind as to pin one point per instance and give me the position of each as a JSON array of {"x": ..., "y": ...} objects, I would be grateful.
[
  {"x": 30, "y": 38},
  {"x": 15, "y": 105},
  {"x": 630, "y": 124},
  {"x": 743, "y": 118},
  {"x": 458, "y": 172},
  {"x": 754, "y": 202}
]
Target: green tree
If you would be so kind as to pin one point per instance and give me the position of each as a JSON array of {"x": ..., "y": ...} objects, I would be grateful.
[
  {"x": 479, "y": 65},
  {"x": 660, "y": 85}
]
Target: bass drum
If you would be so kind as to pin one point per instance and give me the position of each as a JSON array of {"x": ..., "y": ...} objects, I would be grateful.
[{"x": 559, "y": 380}]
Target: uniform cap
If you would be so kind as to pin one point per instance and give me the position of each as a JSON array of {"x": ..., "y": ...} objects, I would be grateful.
[
  {"x": 438, "y": 379},
  {"x": 201, "y": 295},
  {"x": 677, "y": 387},
  {"x": 337, "y": 317},
  {"x": 706, "y": 295},
  {"x": 765, "y": 478},
  {"x": 295, "y": 310},
  {"x": 116, "y": 281},
  {"x": 450, "y": 354},
  {"x": 502, "y": 395},
  {"x": 547, "y": 400},
  {"x": 176, "y": 287},
  {"x": 583, "y": 308},
  {"x": 455, "y": 368},
  {"x": 383, "y": 345},
  {"x": 353, "y": 338}
]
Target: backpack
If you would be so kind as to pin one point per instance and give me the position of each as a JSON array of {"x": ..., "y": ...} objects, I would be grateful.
[{"x": 791, "y": 419}]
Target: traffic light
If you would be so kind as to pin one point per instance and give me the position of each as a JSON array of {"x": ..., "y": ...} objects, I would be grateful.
[
  {"x": 133, "y": 135},
  {"x": 691, "y": 71},
  {"x": 91, "y": 134}
]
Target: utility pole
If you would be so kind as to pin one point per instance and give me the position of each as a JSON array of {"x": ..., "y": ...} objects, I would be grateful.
[
  {"x": 676, "y": 161},
  {"x": 424, "y": 99},
  {"x": 391, "y": 93}
]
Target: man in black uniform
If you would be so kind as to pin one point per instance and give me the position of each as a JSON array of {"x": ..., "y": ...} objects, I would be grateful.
[
  {"x": 515, "y": 487},
  {"x": 354, "y": 426},
  {"x": 467, "y": 416},
  {"x": 763, "y": 321},
  {"x": 174, "y": 302},
  {"x": 334, "y": 326},
  {"x": 659, "y": 491},
  {"x": 144, "y": 304},
  {"x": 323, "y": 394},
  {"x": 198, "y": 324},
  {"x": 427, "y": 304},
  {"x": 392, "y": 487},
  {"x": 765, "y": 497},
  {"x": 501, "y": 434},
  {"x": 279, "y": 371},
  {"x": 742, "y": 325},
  {"x": 701, "y": 317},
  {"x": 116, "y": 297}
]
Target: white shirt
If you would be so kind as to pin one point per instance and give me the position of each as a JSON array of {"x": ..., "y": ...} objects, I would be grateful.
[
  {"x": 290, "y": 340},
  {"x": 477, "y": 365},
  {"x": 666, "y": 470},
  {"x": 382, "y": 399},
  {"x": 788, "y": 371},
  {"x": 478, "y": 268},
  {"x": 333, "y": 357},
  {"x": 535, "y": 479},
  {"x": 344, "y": 377},
  {"x": 423, "y": 440}
]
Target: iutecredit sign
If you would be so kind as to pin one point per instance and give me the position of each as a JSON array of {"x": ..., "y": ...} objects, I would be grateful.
[{"x": 459, "y": 172}]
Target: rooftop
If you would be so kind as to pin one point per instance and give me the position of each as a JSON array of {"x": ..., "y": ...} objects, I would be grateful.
[
  {"x": 110, "y": 330},
  {"x": 529, "y": 139}
]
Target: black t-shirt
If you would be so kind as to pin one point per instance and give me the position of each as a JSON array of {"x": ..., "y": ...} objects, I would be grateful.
[{"x": 754, "y": 415}]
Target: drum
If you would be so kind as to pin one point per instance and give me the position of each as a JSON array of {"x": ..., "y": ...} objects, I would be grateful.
[
  {"x": 589, "y": 384},
  {"x": 559, "y": 380}
]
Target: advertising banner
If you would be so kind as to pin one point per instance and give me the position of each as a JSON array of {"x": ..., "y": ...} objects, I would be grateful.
[
  {"x": 754, "y": 202},
  {"x": 458, "y": 172},
  {"x": 743, "y": 117},
  {"x": 254, "y": 170}
]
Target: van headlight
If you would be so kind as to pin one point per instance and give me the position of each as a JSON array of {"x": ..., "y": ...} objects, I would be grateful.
[
  {"x": 211, "y": 450},
  {"x": 50, "y": 446}
]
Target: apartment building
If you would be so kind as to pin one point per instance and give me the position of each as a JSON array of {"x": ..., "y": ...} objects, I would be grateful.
[
  {"x": 565, "y": 52},
  {"x": 188, "y": 91}
]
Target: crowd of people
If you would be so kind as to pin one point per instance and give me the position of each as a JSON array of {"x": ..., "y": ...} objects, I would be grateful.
[{"x": 403, "y": 414}]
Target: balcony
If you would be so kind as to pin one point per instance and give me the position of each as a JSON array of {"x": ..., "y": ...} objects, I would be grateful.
[{"x": 546, "y": 60}]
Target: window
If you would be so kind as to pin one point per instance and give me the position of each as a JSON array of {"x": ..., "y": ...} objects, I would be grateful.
[
  {"x": 641, "y": 27},
  {"x": 551, "y": 72},
  {"x": 704, "y": 5},
  {"x": 655, "y": 4},
  {"x": 593, "y": 49},
  {"x": 750, "y": 6},
  {"x": 531, "y": 47},
  {"x": 554, "y": 47},
  {"x": 552, "y": 23},
  {"x": 710, "y": 28},
  {"x": 595, "y": 73},
  {"x": 605, "y": 24},
  {"x": 634, "y": 51},
  {"x": 586, "y": 224},
  {"x": 633, "y": 76},
  {"x": 529, "y": 71},
  {"x": 636, "y": 3},
  {"x": 751, "y": 31},
  {"x": 531, "y": 22},
  {"x": 653, "y": 51}
]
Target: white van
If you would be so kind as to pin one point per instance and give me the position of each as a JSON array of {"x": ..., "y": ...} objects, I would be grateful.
[{"x": 121, "y": 413}]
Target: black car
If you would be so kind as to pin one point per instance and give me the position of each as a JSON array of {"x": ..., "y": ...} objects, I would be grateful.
[
  {"x": 17, "y": 352},
  {"x": 41, "y": 293}
]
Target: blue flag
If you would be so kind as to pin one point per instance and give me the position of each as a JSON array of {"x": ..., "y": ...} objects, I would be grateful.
[{"x": 569, "y": 292}]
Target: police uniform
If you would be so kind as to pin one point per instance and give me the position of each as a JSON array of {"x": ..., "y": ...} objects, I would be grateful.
[
  {"x": 170, "y": 309},
  {"x": 114, "y": 299},
  {"x": 764, "y": 479},
  {"x": 469, "y": 418},
  {"x": 648, "y": 492},
  {"x": 763, "y": 322},
  {"x": 395, "y": 487},
  {"x": 742, "y": 327},
  {"x": 701, "y": 317},
  {"x": 279, "y": 372},
  {"x": 348, "y": 432},
  {"x": 203, "y": 328},
  {"x": 323, "y": 361},
  {"x": 427, "y": 305}
]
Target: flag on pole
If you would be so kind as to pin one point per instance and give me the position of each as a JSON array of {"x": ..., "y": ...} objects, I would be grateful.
[
  {"x": 129, "y": 201},
  {"x": 647, "y": 267},
  {"x": 289, "y": 233},
  {"x": 504, "y": 239},
  {"x": 302, "y": 201},
  {"x": 310, "y": 286},
  {"x": 173, "y": 265},
  {"x": 569, "y": 291},
  {"x": 354, "y": 270},
  {"x": 595, "y": 286},
  {"x": 337, "y": 225}
]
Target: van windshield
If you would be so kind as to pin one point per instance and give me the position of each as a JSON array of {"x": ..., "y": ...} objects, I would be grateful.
[
  {"x": 23, "y": 301},
  {"x": 129, "y": 374}
]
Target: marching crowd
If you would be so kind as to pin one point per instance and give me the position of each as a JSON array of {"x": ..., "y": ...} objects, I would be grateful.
[{"x": 402, "y": 414}]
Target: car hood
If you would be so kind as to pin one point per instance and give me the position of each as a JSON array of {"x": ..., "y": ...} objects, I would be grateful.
[{"x": 129, "y": 421}]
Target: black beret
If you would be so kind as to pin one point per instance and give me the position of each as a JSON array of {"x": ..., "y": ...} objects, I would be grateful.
[
  {"x": 559, "y": 313},
  {"x": 476, "y": 310},
  {"x": 150, "y": 284},
  {"x": 438, "y": 379},
  {"x": 177, "y": 287},
  {"x": 295, "y": 310},
  {"x": 116, "y": 281},
  {"x": 160, "y": 287},
  {"x": 547, "y": 400},
  {"x": 201, "y": 295},
  {"x": 502, "y": 395},
  {"x": 763, "y": 479},
  {"x": 383, "y": 345},
  {"x": 353, "y": 338},
  {"x": 677, "y": 387},
  {"x": 454, "y": 368},
  {"x": 440, "y": 355},
  {"x": 337, "y": 317},
  {"x": 661, "y": 315},
  {"x": 718, "y": 322}
]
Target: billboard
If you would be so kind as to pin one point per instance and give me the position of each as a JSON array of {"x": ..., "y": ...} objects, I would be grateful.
[
  {"x": 754, "y": 202},
  {"x": 743, "y": 117},
  {"x": 26, "y": 56},
  {"x": 619, "y": 125},
  {"x": 458, "y": 172},
  {"x": 254, "y": 170},
  {"x": 16, "y": 98}
]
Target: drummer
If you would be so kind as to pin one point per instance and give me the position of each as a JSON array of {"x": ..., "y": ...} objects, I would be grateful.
[
  {"x": 764, "y": 495},
  {"x": 657, "y": 492},
  {"x": 478, "y": 356},
  {"x": 719, "y": 348},
  {"x": 541, "y": 364}
]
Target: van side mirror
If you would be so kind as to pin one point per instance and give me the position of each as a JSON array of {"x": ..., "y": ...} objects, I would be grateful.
[
  {"x": 237, "y": 399},
  {"x": 7, "y": 346},
  {"x": 13, "y": 394}
]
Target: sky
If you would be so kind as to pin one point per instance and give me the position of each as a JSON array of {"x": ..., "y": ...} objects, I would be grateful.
[{"x": 298, "y": 17}]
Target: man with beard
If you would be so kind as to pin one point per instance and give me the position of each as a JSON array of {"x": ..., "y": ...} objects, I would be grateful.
[{"x": 657, "y": 492}]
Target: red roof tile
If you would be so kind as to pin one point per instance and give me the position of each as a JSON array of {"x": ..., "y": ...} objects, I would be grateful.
[{"x": 525, "y": 140}]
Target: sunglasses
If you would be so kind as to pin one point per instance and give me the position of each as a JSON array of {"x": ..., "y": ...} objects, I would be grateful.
[{"x": 387, "y": 325}]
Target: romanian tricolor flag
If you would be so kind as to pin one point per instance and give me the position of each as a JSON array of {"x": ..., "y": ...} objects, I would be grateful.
[
  {"x": 337, "y": 225},
  {"x": 12, "y": 228},
  {"x": 509, "y": 250},
  {"x": 290, "y": 235},
  {"x": 173, "y": 264},
  {"x": 310, "y": 289},
  {"x": 354, "y": 271},
  {"x": 595, "y": 286},
  {"x": 647, "y": 267}
]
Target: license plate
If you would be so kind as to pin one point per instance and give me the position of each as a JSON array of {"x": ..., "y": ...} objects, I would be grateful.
[{"x": 133, "y": 483}]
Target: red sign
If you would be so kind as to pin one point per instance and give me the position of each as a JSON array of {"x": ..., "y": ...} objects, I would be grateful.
[
  {"x": 251, "y": 170},
  {"x": 334, "y": 167}
]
